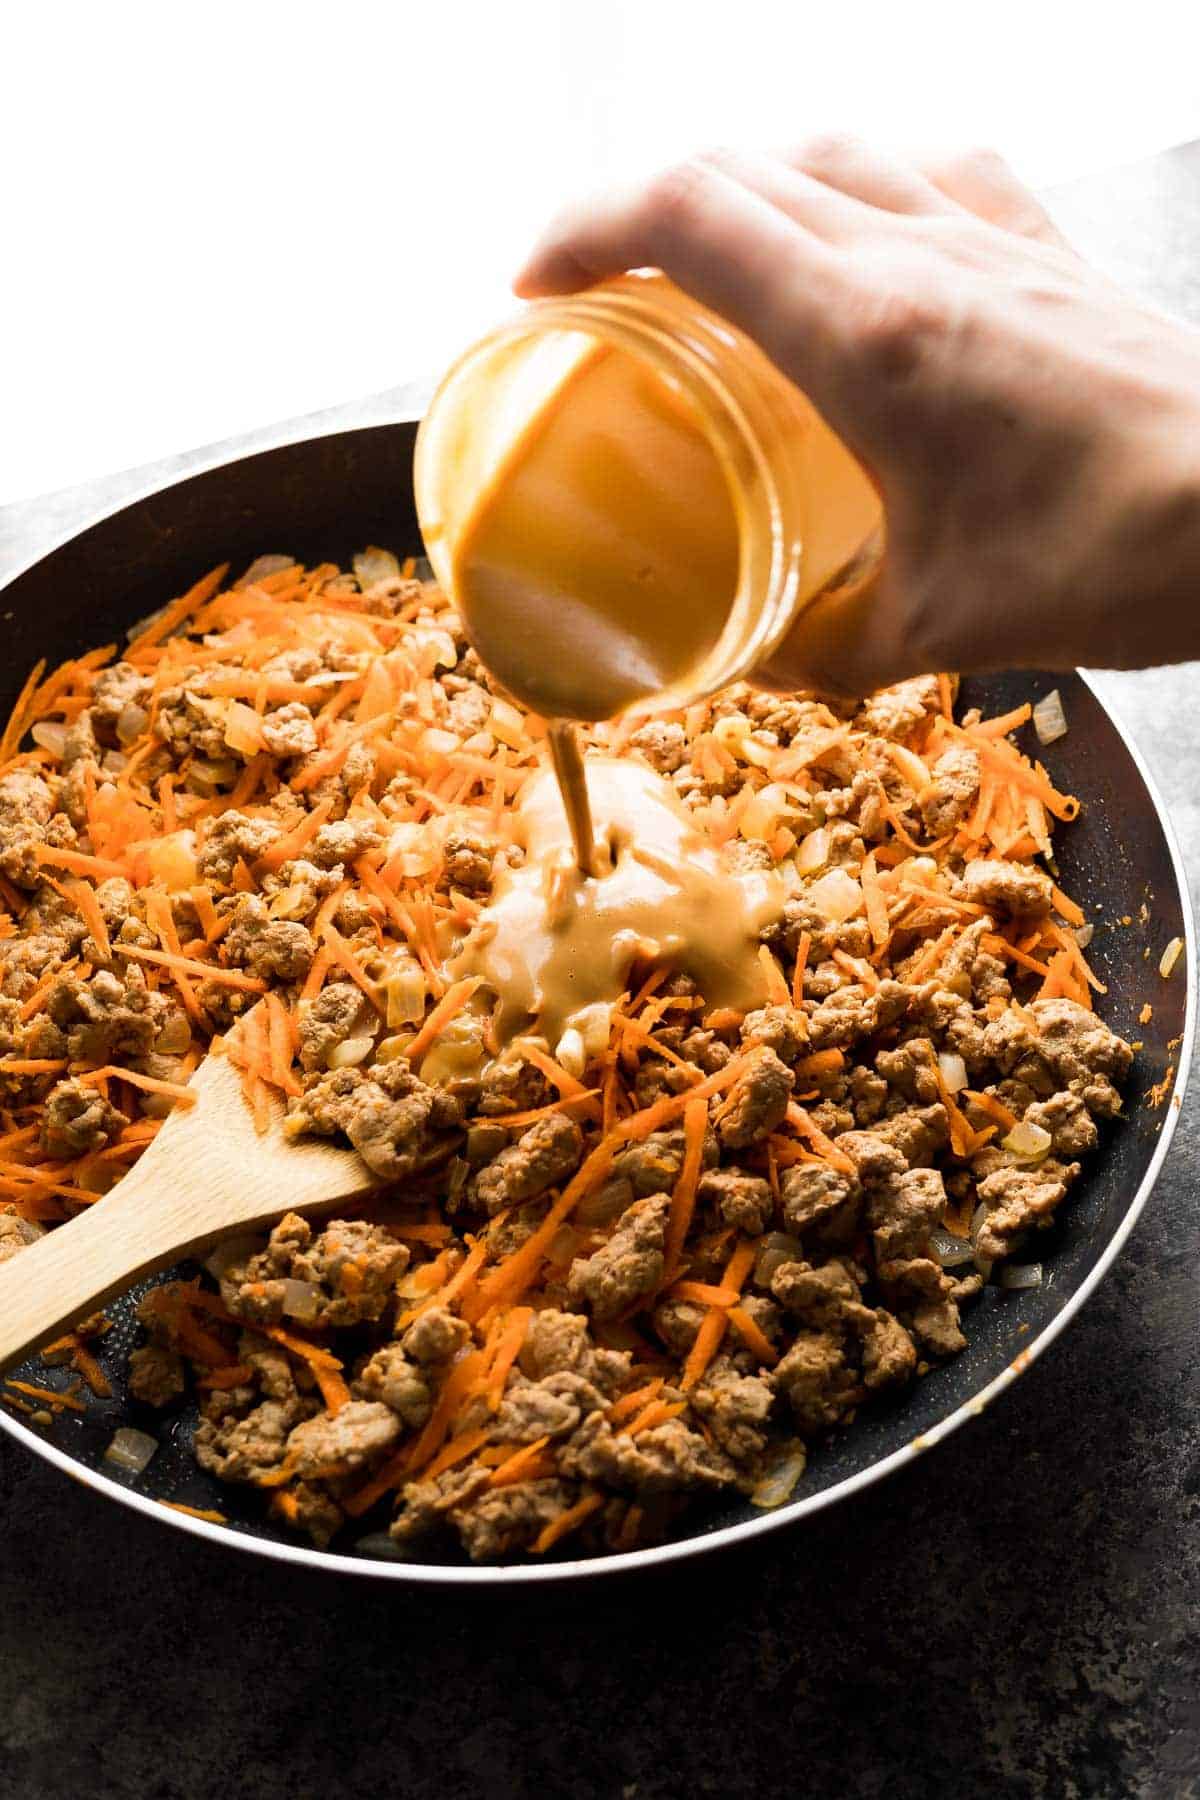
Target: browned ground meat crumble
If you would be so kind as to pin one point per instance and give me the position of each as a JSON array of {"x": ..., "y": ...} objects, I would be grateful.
[{"x": 841, "y": 1219}]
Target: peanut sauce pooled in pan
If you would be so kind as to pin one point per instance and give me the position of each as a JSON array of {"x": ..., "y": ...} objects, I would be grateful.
[{"x": 555, "y": 940}]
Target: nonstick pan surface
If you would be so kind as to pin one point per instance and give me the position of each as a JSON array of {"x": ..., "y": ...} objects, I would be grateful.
[{"x": 323, "y": 498}]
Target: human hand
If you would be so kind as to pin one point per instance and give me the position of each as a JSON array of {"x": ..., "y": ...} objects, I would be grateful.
[{"x": 1034, "y": 431}]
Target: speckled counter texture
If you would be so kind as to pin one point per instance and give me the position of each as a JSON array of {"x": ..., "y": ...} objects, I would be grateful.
[{"x": 1013, "y": 1615}]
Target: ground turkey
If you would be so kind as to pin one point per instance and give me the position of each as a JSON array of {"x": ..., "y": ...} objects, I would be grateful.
[
  {"x": 106, "y": 1019},
  {"x": 735, "y": 1407},
  {"x": 743, "y": 1201},
  {"x": 663, "y": 743},
  {"x": 950, "y": 797},
  {"x": 397, "y": 1124},
  {"x": 1008, "y": 889},
  {"x": 358, "y": 1433},
  {"x": 783, "y": 1029},
  {"x": 25, "y": 811},
  {"x": 78, "y": 1119},
  {"x": 507, "y": 1519},
  {"x": 234, "y": 837},
  {"x": 290, "y": 730},
  {"x": 338, "y": 1012},
  {"x": 757, "y": 1102},
  {"x": 544, "y": 1155},
  {"x": 392, "y": 1378},
  {"x": 156, "y": 1375},
  {"x": 666, "y": 1456},
  {"x": 561, "y": 1341},
  {"x": 351, "y": 1266},
  {"x": 271, "y": 948},
  {"x": 628, "y": 1267}
]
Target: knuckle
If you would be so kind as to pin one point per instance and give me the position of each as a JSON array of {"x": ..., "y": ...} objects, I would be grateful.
[
  {"x": 982, "y": 160},
  {"x": 827, "y": 152},
  {"x": 677, "y": 197},
  {"x": 894, "y": 330}
]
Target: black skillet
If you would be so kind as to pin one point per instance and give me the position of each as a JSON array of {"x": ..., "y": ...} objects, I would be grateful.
[{"x": 323, "y": 498}]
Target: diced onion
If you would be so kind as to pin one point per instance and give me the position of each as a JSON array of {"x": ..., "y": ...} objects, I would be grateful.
[
  {"x": 301, "y": 1300},
  {"x": 1170, "y": 957},
  {"x": 1084, "y": 935},
  {"x": 1028, "y": 1143},
  {"x": 950, "y": 1250},
  {"x": 131, "y": 722},
  {"x": 1020, "y": 1275},
  {"x": 507, "y": 724},
  {"x": 434, "y": 650},
  {"x": 1049, "y": 719},
  {"x": 231, "y": 1250},
  {"x": 954, "y": 1071},
  {"x": 779, "y": 1483},
  {"x": 569, "y": 1051},
  {"x": 207, "y": 777},
  {"x": 379, "y": 1544},
  {"x": 594, "y": 1025},
  {"x": 263, "y": 566},
  {"x": 48, "y": 735},
  {"x": 350, "y": 1052},
  {"x": 813, "y": 851},
  {"x": 373, "y": 564},
  {"x": 414, "y": 845},
  {"x": 777, "y": 1248},
  {"x": 437, "y": 742},
  {"x": 760, "y": 819},
  {"x": 836, "y": 896},
  {"x": 406, "y": 991},
  {"x": 131, "y": 1450},
  {"x": 172, "y": 860}
]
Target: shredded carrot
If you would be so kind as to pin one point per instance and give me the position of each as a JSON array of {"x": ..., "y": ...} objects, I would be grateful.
[
  {"x": 103, "y": 868},
  {"x": 83, "y": 899},
  {"x": 208, "y": 1513},
  {"x": 713, "y": 1325},
  {"x": 20, "y": 715},
  {"x": 448, "y": 1007},
  {"x": 802, "y": 949},
  {"x": 629, "y": 1405},
  {"x": 52, "y": 1396},
  {"x": 565, "y": 1522},
  {"x": 290, "y": 846},
  {"x": 178, "y": 613},
  {"x": 683, "y": 1198},
  {"x": 657, "y": 1413},
  {"x": 507, "y": 1351},
  {"x": 457, "y": 1450},
  {"x": 149, "y": 1084},
  {"x": 520, "y": 1464},
  {"x": 249, "y": 984},
  {"x": 995, "y": 1109},
  {"x": 753, "y": 1337}
]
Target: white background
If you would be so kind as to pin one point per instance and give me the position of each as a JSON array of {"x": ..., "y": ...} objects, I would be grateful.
[{"x": 217, "y": 215}]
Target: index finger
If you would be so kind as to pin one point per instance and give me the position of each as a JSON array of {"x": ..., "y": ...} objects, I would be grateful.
[{"x": 723, "y": 243}]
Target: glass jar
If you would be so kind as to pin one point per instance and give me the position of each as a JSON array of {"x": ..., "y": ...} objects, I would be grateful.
[{"x": 806, "y": 517}]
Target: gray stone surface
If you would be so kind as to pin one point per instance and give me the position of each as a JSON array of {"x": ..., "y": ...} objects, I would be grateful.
[{"x": 1014, "y": 1615}]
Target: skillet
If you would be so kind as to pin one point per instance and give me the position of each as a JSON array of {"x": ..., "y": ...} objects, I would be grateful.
[{"x": 322, "y": 498}]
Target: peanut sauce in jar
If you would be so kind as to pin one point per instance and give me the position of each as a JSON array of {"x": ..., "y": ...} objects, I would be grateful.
[{"x": 629, "y": 506}]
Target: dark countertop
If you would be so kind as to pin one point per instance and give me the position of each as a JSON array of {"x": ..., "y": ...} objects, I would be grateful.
[{"x": 1013, "y": 1615}]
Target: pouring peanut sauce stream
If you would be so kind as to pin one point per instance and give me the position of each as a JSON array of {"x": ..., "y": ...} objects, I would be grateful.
[{"x": 598, "y": 560}]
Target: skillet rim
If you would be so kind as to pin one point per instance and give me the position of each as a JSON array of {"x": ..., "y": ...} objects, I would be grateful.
[{"x": 659, "y": 1555}]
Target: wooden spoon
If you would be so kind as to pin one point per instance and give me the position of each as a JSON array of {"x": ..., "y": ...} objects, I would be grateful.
[{"x": 208, "y": 1172}]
